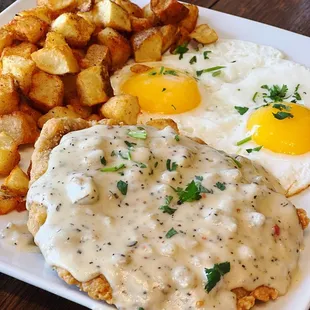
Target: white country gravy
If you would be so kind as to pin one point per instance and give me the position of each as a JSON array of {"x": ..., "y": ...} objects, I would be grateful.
[{"x": 94, "y": 227}]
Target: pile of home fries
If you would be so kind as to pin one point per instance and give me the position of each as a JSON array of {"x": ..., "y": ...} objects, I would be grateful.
[{"x": 56, "y": 61}]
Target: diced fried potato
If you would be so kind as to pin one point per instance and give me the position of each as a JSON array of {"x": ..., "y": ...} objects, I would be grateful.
[
  {"x": 94, "y": 117},
  {"x": 70, "y": 91},
  {"x": 150, "y": 15},
  {"x": 245, "y": 303},
  {"x": 169, "y": 11},
  {"x": 137, "y": 68},
  {"x": 79, "y": 54},
  {"x": 75, "y": 29},
  {"x": 58, "y": 112},
  {"x": 6, "y": 39},
  {"x": 118, "y": 46},
  {"x": 131, "y": 8},
  {"x": 41, "y": 12},
  {"x": 147, "y": 45},
  {"x": 204, "y": 34},
  {"x": 24, "y": 49},
  {"x": 56, "y": 60},
  {"x": 182, "y": 38},
  {"x": 26, "y": 108},
  {"x": 89, "y": 16},
  {"x": 97, "y": 55},
  {"x": 47, "y": 91},
  {"x": 58, "y": 5},
  {"x": 123, "y": 109},
  {"x": 9, "y": 203},
  {"x": 169, "y": 36},
  {"x": 265, "y": 293},
  {"x": 21, "y": 69},
  {"x": 84, "y": 5},
  {"x": 17, "y": 182},
  {"x": 9, "y": 156},
  {"x": 20, "y": 126},
  {"x": 162, "y": 123},
  {"x": 75, "y": 106},
  {"x": 54, "y": 39},
  {"x": 190, "y": 21},
  {"x": 9, "y": 97},
  {"x": 303, "y": 218},
  {"x": 28, "y": 28},
  {"x": 140, "y": 24},
  {"x": 109, "y": 14},
  {"x": 93, "y": 86}
]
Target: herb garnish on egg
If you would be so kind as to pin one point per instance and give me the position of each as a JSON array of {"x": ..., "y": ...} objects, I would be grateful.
[
  {"x": 193, "y": 60},
  {"x": 241, "y": 110},
  {"x": 181, "y": 50},
  {"x": 216, "y": 73},
  {"x": 171, "y": 233},
  {"x": 276, "y": 93},
  {"x": 206, "y": 54},
  {"x": 255, "y": 149},
  {"x": 243, "y": 141},
  {"x": 282, "y": 115},
  {"x": 215, "y": 273},
  {"x": 200, "y": 72}
]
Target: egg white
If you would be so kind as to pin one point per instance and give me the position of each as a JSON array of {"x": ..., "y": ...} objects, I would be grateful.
[{"x": 248, "y": 66}]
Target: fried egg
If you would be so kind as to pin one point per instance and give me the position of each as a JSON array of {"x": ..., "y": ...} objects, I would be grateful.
[{"x": 238, "y": 97}]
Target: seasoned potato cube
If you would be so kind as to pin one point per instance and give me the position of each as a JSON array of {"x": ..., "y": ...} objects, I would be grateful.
[
  {"x": 47, "y": 91},
  {"x": 58, "y": 5},
  {"x": 24, "y": 49},
  {"x": 97, "y": 55},
  {"x": 75, "y": 106},
  {"x": 69, "y": 81},
  {"x": 147, "y": 45},
  {"x": 21, "y": 69},
  {"x": 84, "y": 5},
  {"x": 41, "y": 12},
  {"x": 75, "y": 29},
  {"x": 6, "y": 39},
  {"x": 130, "y": 8},
  {"x": 26, "y": 108},
  {"x": 79, "y": 55},
  {"x": 89, "y": 16},
  {"x": 181, "y": 38},
  {"x": 56, "y": 60},
  {"x": 57, "y": 112},
  {"x": 9, "y": 156},
  {"x": 109, "y": 14},
  {"x": 93, "y": 86},
  {"x": 169, "y": 36},
  {"x": 139, "y": 24},
  {"x": 9, "y": 97},
  {"x": 204, "y": 34},
  {"x": 150, "y": 15},
  {"x": 16, "y": 183},
  {"x": 9, "y": 203},
  {"x": 20, "y": 126},
  {"x": 94, "y": 117},
  {"x": 123, "y": 109},
  {"x": 54, "y": 39},
  {"x": 28, "y": 28},
  {"x": 169, "y": 11},
  {"x": 190, "y": 21},
  {"x": 162, "y": 123},
  {"x": 118, "y": 46}
]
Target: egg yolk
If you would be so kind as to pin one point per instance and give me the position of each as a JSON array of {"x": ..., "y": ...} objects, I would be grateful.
[
  {"x": 164, "y": 90},
  {"x": 282, "y": 128}
]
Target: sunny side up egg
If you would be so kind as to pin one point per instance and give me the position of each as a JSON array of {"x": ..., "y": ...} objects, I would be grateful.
[{"x": 238, "y": 97}]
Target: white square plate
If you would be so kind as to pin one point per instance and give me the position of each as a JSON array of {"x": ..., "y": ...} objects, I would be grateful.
[{"x": 30, "y": 267}]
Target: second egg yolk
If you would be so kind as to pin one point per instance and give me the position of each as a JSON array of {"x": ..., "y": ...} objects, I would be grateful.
[{"x": 163, "y": 90}]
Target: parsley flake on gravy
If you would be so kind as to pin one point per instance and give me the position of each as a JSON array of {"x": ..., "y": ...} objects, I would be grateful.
[
  {"x": 181, "y": 50},
  {"x": 220, "y": 186},
  {"x": 199, "y": 73},
  {"x": 215, "y": 274},
  {"x": 255, "y": 149},
  {"x": 113, "y": 169},
  {"x": 193, "y": 60},
  {"x": 165, "y": 208},
  {"x": 177, "y": 138},
  {"x": 171, "y": 233},
  {"x": 103, "y": 160},
  {"x": 122, "y": 187},
  {"x": 138, "y": 134},
  {"x": 241, "y": 110},
  {"x": 130, "y": 145},
  {"x": 171, "y": 167},
  {"x": 282, "y": 115}
]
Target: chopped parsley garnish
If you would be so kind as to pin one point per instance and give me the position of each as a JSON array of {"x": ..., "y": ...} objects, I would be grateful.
[
  {"x": 177, "y": 138},
  {"x": 255, "y": 96},
  {"x": 103, "y": 161},
  {"x": 255, "y": 149},
  {"x": 241, "y": 110},
  {"x": 123, "y": 187},
  {"x": 170, "y": 72},
  {"x": 171, "y": 167},
  {"x": 141, "y": 165},
  {"x": 171, "y": 233},
  {"x": 282, "y": 115},
  {"x": 199, "y": 73},
  {"x": 113, "y": 169},
  {"x": 181, "y": 50},
  {"x": 206, "y": 54},
  {"x": 243, "y": 141},
  {"x": 173, "y": 106},
  {"x": 138, "y": 134},
  {"x": 220, "y": 186},
  {"x": 126, "y": 156},
  {"x": 156, "y": 164},
  {"x": 276, "y": 93},
  {"x": 152, "y": 73},
  {"x": 162, "y": 69},
  {"x": 113, "y": 153},
  {"x": 216, "y": 73},
  {"x": 215, "y": 273},
  {"x": 296, "y": 95},
  {"x": 165, "y": 208},
  {"x": 281, "y": 106},
  {"x": 193, "y": 60},
  {"x": 237, "y": 162},
  {"x": 164, "y": 89},
  {"x": 140, "y": 308},
  {"x": 130, "y": 145}
]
